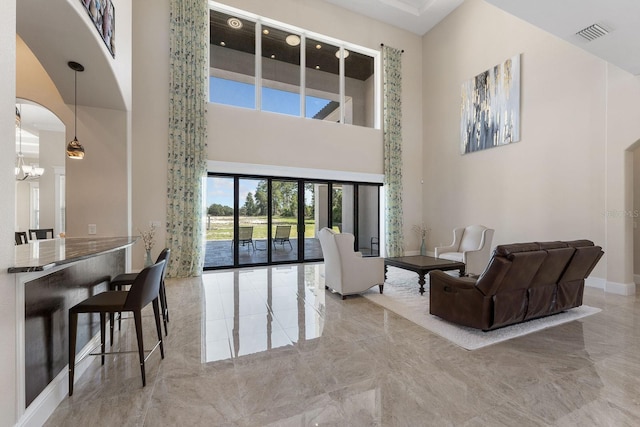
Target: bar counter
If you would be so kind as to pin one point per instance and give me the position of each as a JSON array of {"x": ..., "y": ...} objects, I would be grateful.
[
  {"x": 52, "y": 276},
  {"x": 41, "y": 255}
]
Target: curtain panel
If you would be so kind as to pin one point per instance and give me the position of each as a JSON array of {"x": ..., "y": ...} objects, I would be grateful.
[
  {"x": 186, "y": 166},
  {"x": 392, "y": 88}
]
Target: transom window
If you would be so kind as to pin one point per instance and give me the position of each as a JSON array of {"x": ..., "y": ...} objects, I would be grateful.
[{"x": 270, "y": 66}]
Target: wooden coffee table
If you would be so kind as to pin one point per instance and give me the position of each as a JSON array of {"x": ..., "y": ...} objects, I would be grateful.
[{"x": 422, "y": 265}]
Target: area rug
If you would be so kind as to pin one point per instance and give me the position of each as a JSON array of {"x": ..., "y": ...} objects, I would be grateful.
[{"x": 402, "y": 297}]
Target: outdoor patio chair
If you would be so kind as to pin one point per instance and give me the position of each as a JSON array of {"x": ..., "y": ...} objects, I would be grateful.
[
  {"x": 282, "y": 235},
  {"x": 245, "y": 237}
]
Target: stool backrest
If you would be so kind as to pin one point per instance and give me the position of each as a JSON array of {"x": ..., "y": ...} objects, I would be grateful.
[
  {"x": 164, "y": 256},
  {"x": 21, "y": 238},
  {"x": 145, "y": 288}
]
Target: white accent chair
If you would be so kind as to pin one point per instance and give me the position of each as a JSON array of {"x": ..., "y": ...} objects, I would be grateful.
[
  {"x": 471, "y": 245},
  {"x": 346, "y": 271}
]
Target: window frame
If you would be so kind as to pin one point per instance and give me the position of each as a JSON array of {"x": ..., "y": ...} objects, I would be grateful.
[{"x": 259, "y": 21}]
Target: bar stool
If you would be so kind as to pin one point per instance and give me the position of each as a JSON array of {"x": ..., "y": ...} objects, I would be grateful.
[
  {"x": 145, "y": 289},
  {"x": 126, "y": 279},
  {"x": 21, "y": 238}
]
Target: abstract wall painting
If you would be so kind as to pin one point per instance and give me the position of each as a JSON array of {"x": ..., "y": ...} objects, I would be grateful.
[
  {"x": 490, "y": 111},
  {"x": 102, "y": 13}
]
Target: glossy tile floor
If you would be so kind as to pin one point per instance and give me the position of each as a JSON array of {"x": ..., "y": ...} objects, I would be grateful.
[{"x": 269, "y": 347}]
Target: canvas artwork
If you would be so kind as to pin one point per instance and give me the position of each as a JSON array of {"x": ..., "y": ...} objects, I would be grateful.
[
  {"x": 490, "y": 111},
  {"x": 102, "y": 13}
]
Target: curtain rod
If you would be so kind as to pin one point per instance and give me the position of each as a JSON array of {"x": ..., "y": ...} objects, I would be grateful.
[{"x": 382, "y": 45}]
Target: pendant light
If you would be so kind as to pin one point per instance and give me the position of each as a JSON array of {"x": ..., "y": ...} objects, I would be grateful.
[{"x": 74, "y": 149}]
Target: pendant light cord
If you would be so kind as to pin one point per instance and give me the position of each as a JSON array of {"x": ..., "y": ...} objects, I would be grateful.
[{"x": 75, "y": 104}]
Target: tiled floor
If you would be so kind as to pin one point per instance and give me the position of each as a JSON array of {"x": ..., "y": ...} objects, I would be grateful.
[{"x": 269, "y": 346}]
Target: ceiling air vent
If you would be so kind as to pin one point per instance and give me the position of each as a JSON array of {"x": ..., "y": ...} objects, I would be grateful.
[{"x": 592, "y": 32}]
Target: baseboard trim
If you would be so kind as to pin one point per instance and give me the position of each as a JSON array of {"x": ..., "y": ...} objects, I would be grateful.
[
  {"x": 626, "y": 289},
  {"x": 43, "y": 406},
  {"x": 595, "y": 282},
  {"x": 611, "y": 287}
]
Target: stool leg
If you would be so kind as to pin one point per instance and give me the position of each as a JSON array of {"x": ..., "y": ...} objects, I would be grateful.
[
  {"x": 163, "y": 306},
  {"x": 156, "y": 314},
  {"x": 137, "y": 315},
  {"x": 119, "y": 288},
  {"x": 111, "y": 320},
  {"x": 73, "y": 327},
  {"x": 103, "y": 327}
]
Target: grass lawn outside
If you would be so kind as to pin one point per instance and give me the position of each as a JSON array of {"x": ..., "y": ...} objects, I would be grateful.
[{"x": 221, "y": 227}]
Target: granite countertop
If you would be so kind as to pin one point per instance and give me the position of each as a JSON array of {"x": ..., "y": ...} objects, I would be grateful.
[{"x": 40, "y": 255}]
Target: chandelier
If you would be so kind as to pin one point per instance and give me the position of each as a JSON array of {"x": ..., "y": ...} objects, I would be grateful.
[{"x": 22, "y": 170}]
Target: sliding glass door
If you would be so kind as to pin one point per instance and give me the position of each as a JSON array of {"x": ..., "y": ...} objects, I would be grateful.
[
  {"x": 284, "y": 220},
  {"x": 220, "y": 222},
  {"x": 266, "y": 220},
  {"x": 316, "y": 216}
]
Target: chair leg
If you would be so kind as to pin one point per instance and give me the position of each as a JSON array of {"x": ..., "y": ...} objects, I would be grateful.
[
  {"x": 103, "y": 327},
  {"x": 137, "y": 315},
  {"x": 381, "y": 288},
  {"x": 156, "y": 314},
  {"x": 73, "y": 327}
]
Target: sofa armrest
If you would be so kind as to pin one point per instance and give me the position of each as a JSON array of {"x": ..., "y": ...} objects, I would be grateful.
[
  {"x": 438, "y": 276},
  {"x": 458, "y": 300}
]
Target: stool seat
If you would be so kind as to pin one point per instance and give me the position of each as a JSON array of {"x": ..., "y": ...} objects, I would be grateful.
[
  {"x": 124, "y": 279},
  {"x": 109, "y": 300}
]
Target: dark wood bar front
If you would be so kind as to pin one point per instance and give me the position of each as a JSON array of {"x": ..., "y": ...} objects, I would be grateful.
[{"x": 52, "y": 276}]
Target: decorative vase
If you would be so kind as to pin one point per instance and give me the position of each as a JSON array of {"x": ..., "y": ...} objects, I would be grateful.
[
  {"x": 423, "y": 248},
  {"x": 148, "y": 261}
]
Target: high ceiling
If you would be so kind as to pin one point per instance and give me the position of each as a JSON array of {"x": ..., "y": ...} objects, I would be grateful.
[
  {"x": 563, "y": 18},
  {"x": 417, "y": 16}
]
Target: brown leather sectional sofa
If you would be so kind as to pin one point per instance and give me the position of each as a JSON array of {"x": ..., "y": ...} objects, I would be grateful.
[{"x": 523, "y": 281}]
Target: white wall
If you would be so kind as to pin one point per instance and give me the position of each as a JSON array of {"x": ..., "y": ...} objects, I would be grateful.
[
  {"x": 52, "y": 154},
  {"x": 623, "y": 134},
  {"x": 97, "y": 185},
  {"x": 7, "y": 183},
  {"x": 555, "y": 183},
  {"x": 150, "y": 118},
  {"x": 636, "y": 212}
]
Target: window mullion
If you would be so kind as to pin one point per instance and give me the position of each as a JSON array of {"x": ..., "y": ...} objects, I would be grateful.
[
  {"x": 303, "y": 84},
  {"x": 342, "y": 86},
  {"x": 258, "y": 65}
]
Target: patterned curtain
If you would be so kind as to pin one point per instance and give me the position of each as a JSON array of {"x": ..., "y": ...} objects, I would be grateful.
[
  {"x": 186, "y": 166},
  {"x": 392, "y": 64}
]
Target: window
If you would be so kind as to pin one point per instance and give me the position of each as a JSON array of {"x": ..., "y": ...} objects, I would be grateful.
[{"x": 270, "y": 66}]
